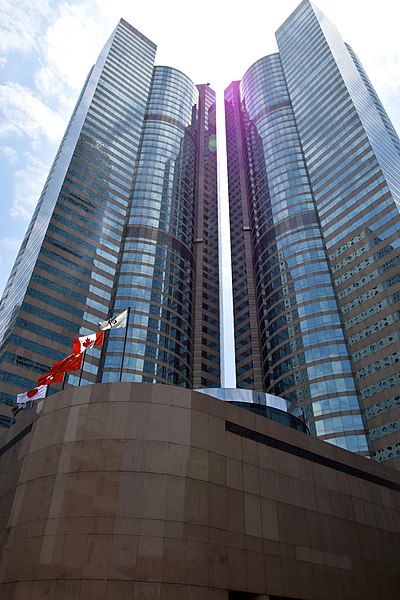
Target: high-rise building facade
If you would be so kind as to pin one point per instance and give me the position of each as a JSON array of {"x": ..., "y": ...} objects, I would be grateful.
[
  {"x": 314, "y": 189},
  {"x": 127, "y": 218}
]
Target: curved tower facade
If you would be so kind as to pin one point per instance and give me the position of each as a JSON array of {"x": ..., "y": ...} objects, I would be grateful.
[
  {"x": 159, "y": 265},
  {"x": 303, "y": 351},
  {"x": 317, "y": 230}
]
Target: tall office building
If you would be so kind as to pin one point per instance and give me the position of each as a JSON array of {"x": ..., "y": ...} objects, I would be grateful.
[
  {"x": 127, "y": 218},
  {"x": 314, "y": 189}
]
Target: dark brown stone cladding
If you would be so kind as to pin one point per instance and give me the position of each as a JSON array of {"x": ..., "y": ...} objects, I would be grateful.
[{"x": 141, "y": 491}]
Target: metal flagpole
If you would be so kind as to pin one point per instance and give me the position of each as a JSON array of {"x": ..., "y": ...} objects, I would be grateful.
[
  {"x": 102, "y": 355},
  {"x": 126, "y": 335},
  {"x": 80, "y": 374}
]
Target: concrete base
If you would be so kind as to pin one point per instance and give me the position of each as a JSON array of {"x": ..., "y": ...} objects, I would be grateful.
[{"x": 146, "y": 492}]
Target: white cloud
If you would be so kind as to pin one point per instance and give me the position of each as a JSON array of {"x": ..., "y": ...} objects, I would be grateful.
[
  {"x": 24, "y": 114},
  {"x": 21, "y": 24},
  {"x": 64, "y": 41},
  {"x": 10, "y": 154},
  {"x": 27, "y": 186},
  {"x": 9, "y": 245},
  {"x": 69, "y": 48}
]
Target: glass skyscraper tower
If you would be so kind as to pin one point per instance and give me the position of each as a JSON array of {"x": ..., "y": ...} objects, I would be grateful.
[
  {"x": 127, "y": 218},
  {"x": 314, "y": 189}
]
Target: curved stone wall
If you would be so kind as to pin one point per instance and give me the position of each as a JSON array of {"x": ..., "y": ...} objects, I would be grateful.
[{"x": 117, "y": 491}]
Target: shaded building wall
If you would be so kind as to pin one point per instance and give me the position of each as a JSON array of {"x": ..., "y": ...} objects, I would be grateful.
[
  {"x": 129, "y": 490},
  {"x": 206, "y": 320},
  {"x": 247, "y": 329}
]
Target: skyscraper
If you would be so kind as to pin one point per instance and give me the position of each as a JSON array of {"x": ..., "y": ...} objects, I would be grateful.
[
  {"x": 314, "y": 189},
  {"x": 127, "y": 218}
]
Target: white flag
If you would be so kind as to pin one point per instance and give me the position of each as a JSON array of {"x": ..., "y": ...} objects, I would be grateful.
[
  {"x": 116, "y": 322},
  {"x": 36, "y": 394}
]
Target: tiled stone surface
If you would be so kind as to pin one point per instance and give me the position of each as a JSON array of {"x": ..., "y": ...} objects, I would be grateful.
[{"x": 135, "y": 491}]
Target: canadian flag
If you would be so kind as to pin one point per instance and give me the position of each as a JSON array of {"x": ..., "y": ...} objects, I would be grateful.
[
  {"x": 38, "y": 392},
  {"x": 80, "y": 344}
]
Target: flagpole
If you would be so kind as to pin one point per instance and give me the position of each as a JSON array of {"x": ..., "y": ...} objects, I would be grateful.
[
  {"x": 80, "y": 374},
  {"x": 63, "y": 383},
  {"x": 126, "y": 335}
]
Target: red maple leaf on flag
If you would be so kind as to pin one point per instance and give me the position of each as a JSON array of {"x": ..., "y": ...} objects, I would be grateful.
[{"x": 81, "y": 344}]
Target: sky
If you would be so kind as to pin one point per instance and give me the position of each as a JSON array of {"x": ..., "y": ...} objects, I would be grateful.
[{"x": 48, "y": 46}]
